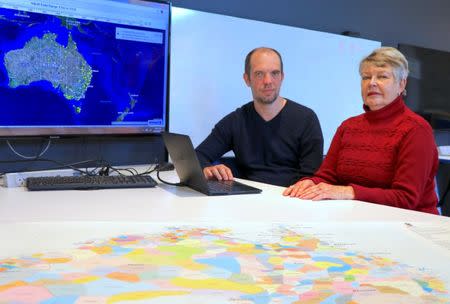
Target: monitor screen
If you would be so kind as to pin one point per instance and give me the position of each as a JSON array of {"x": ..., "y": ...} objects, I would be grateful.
[
  {"x": 83, "y": 67},
  {"x": 428, "y": 87}
]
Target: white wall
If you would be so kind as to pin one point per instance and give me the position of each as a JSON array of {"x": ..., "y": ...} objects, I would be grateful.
[{"x": 207, "y": 63}]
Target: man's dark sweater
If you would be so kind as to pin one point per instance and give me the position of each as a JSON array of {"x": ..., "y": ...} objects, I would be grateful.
[{"x": 279, "y": 151}]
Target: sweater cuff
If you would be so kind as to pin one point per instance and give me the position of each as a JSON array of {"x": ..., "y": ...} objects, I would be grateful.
[{"x": 361, "y": 193}]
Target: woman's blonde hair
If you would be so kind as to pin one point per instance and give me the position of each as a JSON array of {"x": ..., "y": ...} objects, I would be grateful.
[{"x": 388, "y": 56}]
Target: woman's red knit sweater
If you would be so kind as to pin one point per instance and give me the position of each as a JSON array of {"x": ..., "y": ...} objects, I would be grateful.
[{"x": 388, "y": 156}]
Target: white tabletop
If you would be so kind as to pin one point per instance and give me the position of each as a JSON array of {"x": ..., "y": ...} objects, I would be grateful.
[
  {"x": 169, "y": 203},
  {"x": 56, "y": 220}
]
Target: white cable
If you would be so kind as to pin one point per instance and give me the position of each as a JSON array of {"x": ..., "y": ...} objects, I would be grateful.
[{"x": 29, "y": 157}]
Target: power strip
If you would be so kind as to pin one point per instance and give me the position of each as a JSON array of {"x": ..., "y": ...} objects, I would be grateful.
[{"x": 18, "y": 179}]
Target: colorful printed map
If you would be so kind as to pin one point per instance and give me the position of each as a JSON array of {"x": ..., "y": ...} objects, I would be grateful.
[{"x": 208, "y": 265}]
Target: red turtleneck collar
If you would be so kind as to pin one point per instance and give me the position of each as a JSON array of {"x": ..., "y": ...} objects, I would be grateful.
[{"x": 397, "y": 106}]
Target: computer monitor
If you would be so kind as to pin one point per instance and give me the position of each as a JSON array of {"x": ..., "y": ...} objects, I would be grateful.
[{"x": 81, "y": 67}]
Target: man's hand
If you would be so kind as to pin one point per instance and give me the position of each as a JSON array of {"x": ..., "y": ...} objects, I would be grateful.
[{"x": 219, "y": 172}]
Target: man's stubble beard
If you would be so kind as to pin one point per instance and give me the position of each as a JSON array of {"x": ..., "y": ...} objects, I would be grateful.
[{"x": 267, "y": 101}]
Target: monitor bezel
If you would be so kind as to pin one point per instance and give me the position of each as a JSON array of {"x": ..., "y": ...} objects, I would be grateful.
[{"x": 55, "y": 131}]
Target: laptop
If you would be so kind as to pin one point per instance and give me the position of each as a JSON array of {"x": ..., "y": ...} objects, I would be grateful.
[{"x": 190, "y": 172}]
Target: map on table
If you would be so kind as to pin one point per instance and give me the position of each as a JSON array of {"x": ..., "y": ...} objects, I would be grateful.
[{"x": 194, "y": 264}]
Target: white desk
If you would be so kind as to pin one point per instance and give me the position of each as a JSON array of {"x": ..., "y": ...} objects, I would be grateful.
[
  {"x": 444, "y": 158},
  {"x": 169, "y": 203},
  {"x": 55, "y": 220}
]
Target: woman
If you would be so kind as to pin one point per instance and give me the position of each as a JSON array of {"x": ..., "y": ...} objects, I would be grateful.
[{"x": 386, "y": 155}]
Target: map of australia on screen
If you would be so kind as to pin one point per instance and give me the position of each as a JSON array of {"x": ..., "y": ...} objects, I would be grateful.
[
  {"x": 61, "y": 71},
  {"x": 45, "y": 59}
]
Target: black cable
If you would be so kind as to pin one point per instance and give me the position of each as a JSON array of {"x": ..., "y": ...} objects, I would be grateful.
[
  {"x": 84, "y": 171},
  {"x": 60, "y": 165},
  {"x": 150, "y": 169},
  {"x": 101, "y": 167},
  {"x": 168, "y": 183},
  {"x": 43, "y": 149},
  {"x": 120, "y": 171}
]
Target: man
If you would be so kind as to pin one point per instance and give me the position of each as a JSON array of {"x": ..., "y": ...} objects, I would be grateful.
[{"x": 274, "y": 139}]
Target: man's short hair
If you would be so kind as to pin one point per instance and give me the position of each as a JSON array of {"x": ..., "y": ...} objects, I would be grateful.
[{"x": 249, "y": 57}]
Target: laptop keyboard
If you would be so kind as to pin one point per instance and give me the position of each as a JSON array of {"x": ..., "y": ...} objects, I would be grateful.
[
  {"x": 229, "y": 187},
  {"x": 220, "y": 186}
]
